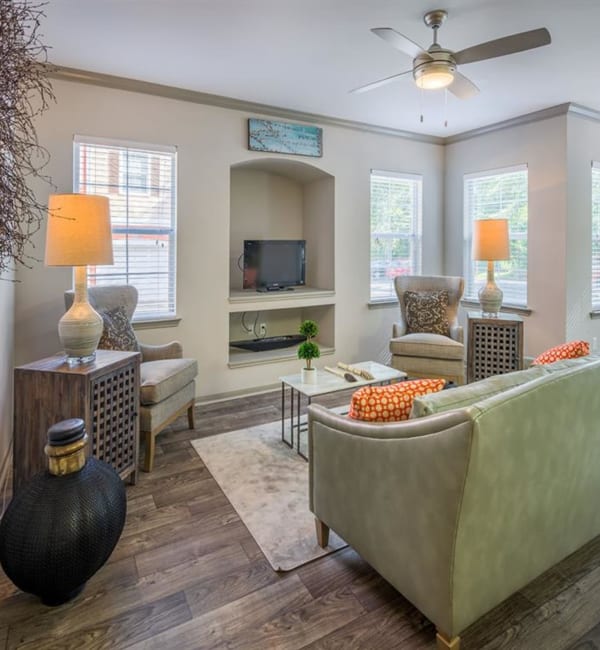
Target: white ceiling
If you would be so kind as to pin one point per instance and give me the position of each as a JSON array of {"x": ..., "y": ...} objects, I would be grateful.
[{"x": 307, "y": 54}]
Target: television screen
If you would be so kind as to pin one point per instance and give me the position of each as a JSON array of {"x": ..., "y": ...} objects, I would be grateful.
[{"x": 273, "y": 264}]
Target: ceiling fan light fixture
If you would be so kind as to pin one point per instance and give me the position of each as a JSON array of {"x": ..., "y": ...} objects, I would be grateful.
[{"x": 434, "y": 76}]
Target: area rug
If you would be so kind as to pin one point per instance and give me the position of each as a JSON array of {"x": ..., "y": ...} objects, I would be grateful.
[{"x": 267, "y": 484}]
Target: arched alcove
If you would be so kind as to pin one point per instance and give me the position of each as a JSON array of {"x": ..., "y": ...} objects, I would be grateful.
[
  {"x": 272, "y": 198},
  {"x": 279, "y": 198}
]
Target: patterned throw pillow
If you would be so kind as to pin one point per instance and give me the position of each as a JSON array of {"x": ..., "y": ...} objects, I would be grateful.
[
  {"x": 426, "y": 311},
  {"x": 390, "y": 403},
  {"x": 118, "y": 333},
  {"x": 570, "y": 350}
]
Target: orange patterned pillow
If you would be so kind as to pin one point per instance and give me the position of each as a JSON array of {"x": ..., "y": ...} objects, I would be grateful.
[
  {"x": 390, "y": 403},
  {"x": 570, "y": 350}
]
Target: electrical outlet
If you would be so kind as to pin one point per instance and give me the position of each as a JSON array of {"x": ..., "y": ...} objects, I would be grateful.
[{"x": 263, "y": 329}]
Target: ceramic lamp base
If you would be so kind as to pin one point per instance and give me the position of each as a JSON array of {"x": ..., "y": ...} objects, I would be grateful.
[
  {"x": 490, "y": 298},
  {"x": 80, "y": 329}
]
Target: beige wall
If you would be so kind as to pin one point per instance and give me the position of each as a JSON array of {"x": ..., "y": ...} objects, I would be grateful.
[
  {"x": 583, "y": 146},
  {"x": 209, "y": 141},
  {"x": 7, "y": 306},
  {"x": 542, "y": 146}
]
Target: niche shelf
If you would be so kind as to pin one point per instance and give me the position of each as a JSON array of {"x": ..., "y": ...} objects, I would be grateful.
[
  {"x": 278, "y": 322},
  {"x": 251, "y": 300}
]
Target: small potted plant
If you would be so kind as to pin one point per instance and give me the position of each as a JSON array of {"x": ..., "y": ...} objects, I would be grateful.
[{"x": 309, "y": 350}]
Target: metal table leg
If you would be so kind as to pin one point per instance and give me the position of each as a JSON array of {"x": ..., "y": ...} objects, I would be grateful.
[
  {"x": 289, "y": 444},
  {"x": 309, "y": 400},
  {"x": 292, "y": 391}
]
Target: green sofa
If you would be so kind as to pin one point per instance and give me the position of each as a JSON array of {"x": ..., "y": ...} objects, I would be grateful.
[{"x": 461, "y": 508}]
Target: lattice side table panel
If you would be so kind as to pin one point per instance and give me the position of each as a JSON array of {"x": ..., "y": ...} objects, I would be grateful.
[
  {"x": 495, "y": 347},
  {"x": 114, "y": 416}
]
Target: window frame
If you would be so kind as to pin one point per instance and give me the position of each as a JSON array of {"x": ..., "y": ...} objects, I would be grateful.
[
  {"x": 416, "y": 235},
  {"x": 468, "y": 262},
  {"x": 125, "y": 148},
  {"x": 595, "y": 234}
]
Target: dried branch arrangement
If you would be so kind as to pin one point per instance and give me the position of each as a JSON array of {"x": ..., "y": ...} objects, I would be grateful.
[{"x": 25, "y": 93}]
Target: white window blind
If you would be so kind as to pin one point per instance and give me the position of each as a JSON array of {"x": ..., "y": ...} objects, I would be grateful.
[
  {"x": 499, "y": 194},
  {"x": 140, "y": 182},
  {"x": 396, "y": 214},
  {"x": 596, "y": 236}
]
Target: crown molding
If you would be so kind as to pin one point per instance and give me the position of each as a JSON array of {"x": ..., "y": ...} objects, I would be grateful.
[
  {"x": 528, "y": 118},
  {"x": 545, "y": 114},
  {"x": 584, "y": 111},
  {"x": 197, "y": 97}
]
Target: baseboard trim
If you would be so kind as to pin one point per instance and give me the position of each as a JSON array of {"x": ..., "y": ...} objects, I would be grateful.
[{"x": 242, "y": 392}]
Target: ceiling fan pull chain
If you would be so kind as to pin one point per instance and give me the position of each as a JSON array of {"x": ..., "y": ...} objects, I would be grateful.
[{"x": 421, "y": 104}]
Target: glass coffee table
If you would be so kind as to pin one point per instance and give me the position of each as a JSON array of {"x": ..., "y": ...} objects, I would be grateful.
[{"x": 325, "y": 384}]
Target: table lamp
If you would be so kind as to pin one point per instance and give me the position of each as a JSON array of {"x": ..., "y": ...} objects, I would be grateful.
[
  {"x": 79, "y": 234},
  {"x": 490, "y": 243}
]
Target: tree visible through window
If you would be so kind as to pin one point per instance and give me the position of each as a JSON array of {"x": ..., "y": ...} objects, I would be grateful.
[
  {"x": 499, "y": 194},
  {"x": 596, "y": 236},
  {"x": 140, "y": 184},
  {"x": 396, "y": 213}
]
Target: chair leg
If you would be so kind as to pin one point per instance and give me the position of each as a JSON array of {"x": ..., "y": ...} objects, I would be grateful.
[
  {"x": 191, "y": 417},
  {"x": 444, "y": 643},
  {"x": 322, "y": 533},
  {"x": 149, "y": 459}
]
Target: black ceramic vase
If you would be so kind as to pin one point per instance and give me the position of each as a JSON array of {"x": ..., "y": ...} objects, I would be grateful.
[{"x": 64, "y": 523}]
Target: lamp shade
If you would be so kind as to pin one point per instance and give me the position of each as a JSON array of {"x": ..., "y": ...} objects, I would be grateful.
[
  {"x": 78, "y": 231},
  {"x": 490, "y": 239}
]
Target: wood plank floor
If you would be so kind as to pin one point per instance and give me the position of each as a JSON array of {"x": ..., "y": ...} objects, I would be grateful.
[{"x": 187, "y": 574}]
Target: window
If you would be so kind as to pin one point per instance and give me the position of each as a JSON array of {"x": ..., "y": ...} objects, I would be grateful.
[
  {"x": 134, "y": 169},
  {"x": 596, "y": 236},
  {"x": 499, "y": 194},
  {"x": 139, "y": 181},
  {"x": 396, "y": 209}
]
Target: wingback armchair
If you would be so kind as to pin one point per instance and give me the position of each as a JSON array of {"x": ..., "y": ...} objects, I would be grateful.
[
  {"x": 167, "y": 380},
  {"x": 422, "y": 354}
]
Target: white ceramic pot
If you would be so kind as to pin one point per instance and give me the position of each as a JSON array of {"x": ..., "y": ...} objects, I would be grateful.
[{"x": 309, "y": 375}]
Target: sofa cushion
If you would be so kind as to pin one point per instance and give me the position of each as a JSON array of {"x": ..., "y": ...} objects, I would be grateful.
[
  {"x": 390, "y": 403},
  {"x": 161, "y": 379},
  {"x": 117, "y": 333},
  {"x": 430, "y": 346},
  {"x": 570, "y": 350},
  {"x": 471, "y": 393},
  {"x": 427, "y": 311}
]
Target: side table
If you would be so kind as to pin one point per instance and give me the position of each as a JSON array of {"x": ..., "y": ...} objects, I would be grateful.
[
  {"x": 495, "y": 345},
  {"x": 326, "y": 384},
  {"x": 103, "y": 393}
]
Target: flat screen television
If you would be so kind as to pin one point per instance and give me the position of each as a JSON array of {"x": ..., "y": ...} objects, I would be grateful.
[{"x": 274, "y": 264}]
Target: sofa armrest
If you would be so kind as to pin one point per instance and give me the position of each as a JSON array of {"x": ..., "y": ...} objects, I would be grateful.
[
  {"x": 412, "y": 428},
  {"x": 393, "y": 492},
  {"x": 398, "y": 329},
  {"x": 172, "y": 350},
  {"x": 457, "y": 333}
]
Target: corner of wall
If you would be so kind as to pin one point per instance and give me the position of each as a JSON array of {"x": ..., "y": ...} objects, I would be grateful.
[{"x": 7, "y": 308}]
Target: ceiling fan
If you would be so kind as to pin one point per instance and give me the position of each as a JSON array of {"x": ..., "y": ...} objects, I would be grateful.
[{"x": 436, "y": 67}]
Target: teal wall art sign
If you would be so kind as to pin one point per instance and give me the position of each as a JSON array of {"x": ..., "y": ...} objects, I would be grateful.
[{"x": 284, "y": 137}]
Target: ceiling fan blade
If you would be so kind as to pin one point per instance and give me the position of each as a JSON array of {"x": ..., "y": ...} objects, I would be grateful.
[
  {"x": 462, "y": 87},
  {"x": 400, "y": 42},
  {"x": 376, "y": 84},
  {"x": 506, "y": 45}
]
